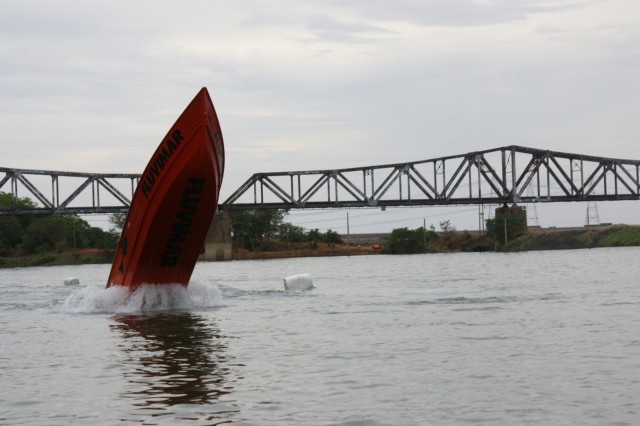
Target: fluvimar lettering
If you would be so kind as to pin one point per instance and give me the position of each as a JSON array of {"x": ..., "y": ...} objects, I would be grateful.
[
  {"x": 182, "y": 222},
  {"x": 161, "y": 160}
]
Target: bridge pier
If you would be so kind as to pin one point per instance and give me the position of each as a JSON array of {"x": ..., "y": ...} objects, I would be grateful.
[
  {"x": 217, "y": 245},
  {"x": 514, "y": 211}
]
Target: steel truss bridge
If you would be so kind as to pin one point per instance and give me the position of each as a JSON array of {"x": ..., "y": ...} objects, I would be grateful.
[
  {"x": 511, "y": 174},
  {"x": 68, "y": 192},
  {"x": 506, "y": 175}
]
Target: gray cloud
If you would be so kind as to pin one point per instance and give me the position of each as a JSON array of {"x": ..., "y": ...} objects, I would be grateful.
[
  {"x": 456, "y": 13},
  {"x": 303, "y": 85}
]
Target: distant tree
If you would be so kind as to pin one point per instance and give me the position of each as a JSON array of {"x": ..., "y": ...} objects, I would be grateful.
[
  {"x": 314, "y": 236},
  {"x": 95, "y": 237},
  {"x": 448, "y": 239},
  {"x": 80, "y": 234},
  {"x": 446, "y": 226},
  {"x": 253, "y": 227},
  {"x": 10, "y": 234},
  {"x": 428, "y": 236},
  {"x": 35, "y": 233},
  {"x": 8, "y": 201},
  {"x": 407, "y": 241},
  {"x": 331, "y": 237},
  {"x": 116, "y": 220},
  {"x": 75, "y": 231},
  {"x": 59, "y": 232},
  {"x": 403, "y": 241},
  {"x": 45, "y": 234},
  {"x": 291, "y": 233}
]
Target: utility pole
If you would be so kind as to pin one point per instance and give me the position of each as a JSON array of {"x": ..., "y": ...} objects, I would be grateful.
[
  {"x": 424, "y": 233},
  {"x": 505, "y": 231},
  {"x": 348, "y": 231}
]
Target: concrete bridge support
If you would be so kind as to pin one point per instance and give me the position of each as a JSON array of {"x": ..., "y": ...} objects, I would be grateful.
[
  {"x": 515, "y": 211},
  {"x": 217, "y": 246}
]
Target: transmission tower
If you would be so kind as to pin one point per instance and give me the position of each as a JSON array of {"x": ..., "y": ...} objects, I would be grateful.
[
  {"x": 532, "y": 211},
  {"x": 593, "y": 218}
]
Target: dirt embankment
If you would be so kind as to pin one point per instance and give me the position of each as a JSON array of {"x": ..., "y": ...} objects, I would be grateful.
[
  {"x": 62, "y": 257},
  {"x": 284, "y": 250}
]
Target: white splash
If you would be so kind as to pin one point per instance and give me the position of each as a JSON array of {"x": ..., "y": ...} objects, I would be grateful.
[{"x": 148, "y": 297}]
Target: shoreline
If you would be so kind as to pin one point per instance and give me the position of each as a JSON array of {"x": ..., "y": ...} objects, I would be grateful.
[{"x": 534, "y": 240}]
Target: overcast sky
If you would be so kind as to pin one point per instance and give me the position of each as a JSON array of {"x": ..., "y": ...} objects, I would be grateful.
[{"x": 94, "y": 86}]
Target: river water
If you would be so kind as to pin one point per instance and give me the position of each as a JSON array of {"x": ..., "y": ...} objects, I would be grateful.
[{"x": 483, "y": 338}]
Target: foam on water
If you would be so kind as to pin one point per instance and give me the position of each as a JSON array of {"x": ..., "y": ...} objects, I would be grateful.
[{"x": 148, "y": 297}]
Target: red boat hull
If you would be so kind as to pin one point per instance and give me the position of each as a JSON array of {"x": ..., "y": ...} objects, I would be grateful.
[{"x": 174, "y": 202}]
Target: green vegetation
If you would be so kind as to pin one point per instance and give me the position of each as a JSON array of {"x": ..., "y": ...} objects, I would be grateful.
[
  {"x": 408, "y": 241},
  {"x": 44, "y": 236},
  {"x": 421, "y": 240},
  {"x": 117, "y": 222},
  {"x": 256, "y": 230},
  {"x": 252, "y": 228},
  {"x": 620, "y": 236},
  {"x": 520, "y": 243}
]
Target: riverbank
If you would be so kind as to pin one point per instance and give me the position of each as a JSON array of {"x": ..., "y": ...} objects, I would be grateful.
[
  {"x": 284, "y": 250},
  {"x": 63, "y": 257},
  {"x": 460, "y": 241},
  {"x": 577, "y": 238}
]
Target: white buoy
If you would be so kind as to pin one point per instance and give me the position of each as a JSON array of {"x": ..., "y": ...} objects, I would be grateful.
[
  {"x": 71, "y": 281},
  {"x": 298, "y": 282}
]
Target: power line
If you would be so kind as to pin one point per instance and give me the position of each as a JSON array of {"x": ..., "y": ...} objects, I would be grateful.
[{"x": 387, "y": 221}]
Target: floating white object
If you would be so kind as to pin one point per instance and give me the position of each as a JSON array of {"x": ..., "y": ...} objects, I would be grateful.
[
  {"x": 298, "y": 282},
  {"x": 71, "y": 281}
]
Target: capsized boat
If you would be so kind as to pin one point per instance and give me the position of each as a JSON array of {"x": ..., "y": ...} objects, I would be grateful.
[{"x": 174, "y": 202}]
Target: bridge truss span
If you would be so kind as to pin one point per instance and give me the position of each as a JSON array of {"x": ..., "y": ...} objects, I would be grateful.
[
  {"x": 68, "y": 192},
  {"x": 506, "y": 175},
  {"x": 511, "y": 174}
]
